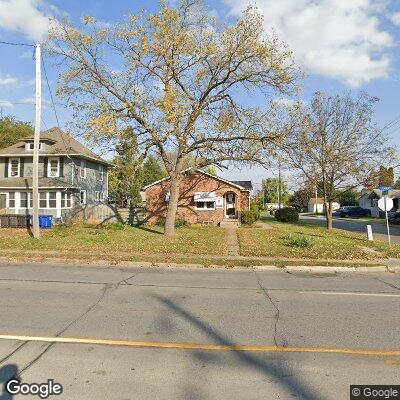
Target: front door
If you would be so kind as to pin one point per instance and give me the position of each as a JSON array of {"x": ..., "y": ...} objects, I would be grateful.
[{"x": 230, "y": 205}]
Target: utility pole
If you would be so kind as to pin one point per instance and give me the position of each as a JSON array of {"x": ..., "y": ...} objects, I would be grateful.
[
  {"x": 279, "y": 185},
  {"x": 316, "y": 199},
  {"x": 35, "y": 180}
]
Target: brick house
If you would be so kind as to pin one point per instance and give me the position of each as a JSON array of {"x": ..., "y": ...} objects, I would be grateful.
[{"x": 204, "y": 198}]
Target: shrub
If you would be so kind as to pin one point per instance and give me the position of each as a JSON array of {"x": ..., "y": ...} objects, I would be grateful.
[
  {"x": 161, "y": 221},
  {"x": 115, "y": 226},
  {"x": 249, "y": 217},
  {"x": 256, "y": 209},
  {"x": 179, "y": 222},
  {"x": 287, "y": 214},
  {"x": 299, "y": 241}
]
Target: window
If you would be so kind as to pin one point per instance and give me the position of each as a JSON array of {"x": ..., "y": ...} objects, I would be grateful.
[
  {"x": 42, "y": 200},
  {"x": 11, "y": 200},
  {"x": 66, "y": 200},
  {"x": 83, "y": 197},
  {"x": 14, "y": 167},
  {"x": 83, "y": 169},
  {"x": 24, "y": 199},
  {"x": 99, "y": 196},
  {"x": 101, "y": 173},
  {"x": 52, "y": 200},
  {"x": 53, "y": 167},
  {"x": 374, "y": 202},
  {"x": 205, "y": 205},
  {"x": 31, "y": 146}
]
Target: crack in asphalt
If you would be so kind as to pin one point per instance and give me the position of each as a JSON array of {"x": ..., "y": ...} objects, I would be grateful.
[
  {"x": 104, "y": 290},
  {"x": 387, "y": 283},
  {"x": 277, "y": 312}
]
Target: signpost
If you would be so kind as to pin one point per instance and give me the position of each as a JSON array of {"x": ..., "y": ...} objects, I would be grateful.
[{"x": 386, "y": 204}]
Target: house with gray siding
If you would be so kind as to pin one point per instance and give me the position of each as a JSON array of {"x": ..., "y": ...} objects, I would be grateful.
[{"x": 70, "y": 175}]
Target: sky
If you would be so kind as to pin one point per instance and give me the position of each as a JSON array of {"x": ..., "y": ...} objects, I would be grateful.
[{"x": 340, "y": 45}]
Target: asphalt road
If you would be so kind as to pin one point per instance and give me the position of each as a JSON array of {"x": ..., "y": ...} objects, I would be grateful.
[
  {"x": 177, "y": 308},
  {"x": 355, "y": 225}
]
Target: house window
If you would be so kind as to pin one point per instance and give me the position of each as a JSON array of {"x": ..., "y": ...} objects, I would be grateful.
[
  {"x": 31, "y": 146},
  {"x": 42, "y": 200},
  {"x": 66, "y": 200},
  {"x": 374, "y": 202},
  {"x": 11, "y": 200},
  {"x": 83, "y": 169},
  {"x": 53, "y": 167},
  {"x": 205, "y": 205},
  {"x": 52, "y": 200},
  {"x": 24, "y": 199},
  {"x": 102, "y": 196},
  {"x": 101, "y": 173},
  {"x": 83, "y": 197},
  {"x": 97, "y": 196},
  {"x": 14, "y": 167}
]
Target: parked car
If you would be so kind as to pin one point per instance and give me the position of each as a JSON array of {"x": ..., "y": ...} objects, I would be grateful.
[
  {"x": 395, "y": 218},
  {"x": 351, "y": 211}
]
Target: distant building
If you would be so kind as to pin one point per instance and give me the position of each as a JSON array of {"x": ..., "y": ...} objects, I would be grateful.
[
  {"x": 317, "y": 205},
  {"x": 369, "y": 200}
]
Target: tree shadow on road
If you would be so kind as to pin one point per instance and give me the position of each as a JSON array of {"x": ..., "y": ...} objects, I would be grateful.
[
  {"x": 7, "y": 372},
  {"x": 273, "y": 371}
]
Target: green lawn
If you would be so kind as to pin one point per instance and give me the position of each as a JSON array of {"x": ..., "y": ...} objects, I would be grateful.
[
  {"x": 121, "y": 238},
  {"x": 338, "y": 244},
  {"x": 200, "y": 244}
]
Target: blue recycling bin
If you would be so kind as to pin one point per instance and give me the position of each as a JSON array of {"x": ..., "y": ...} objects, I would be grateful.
[{"x": 45, "y": 221}]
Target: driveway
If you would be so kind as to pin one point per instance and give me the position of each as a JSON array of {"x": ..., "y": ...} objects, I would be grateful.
[
  {"x": 176, "y": 333},
  {"x": 359, "y": 226}
]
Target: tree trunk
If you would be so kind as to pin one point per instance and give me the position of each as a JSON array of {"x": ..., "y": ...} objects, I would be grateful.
[
  {"x": 329, "y": 217},
  {"x": 172, "y": 206}
]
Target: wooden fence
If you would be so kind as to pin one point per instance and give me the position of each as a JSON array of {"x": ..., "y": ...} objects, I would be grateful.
[{"x": 106, "y": 214}]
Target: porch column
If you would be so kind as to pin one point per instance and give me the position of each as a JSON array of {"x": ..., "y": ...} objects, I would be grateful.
[{"x": 58, "y": 204}]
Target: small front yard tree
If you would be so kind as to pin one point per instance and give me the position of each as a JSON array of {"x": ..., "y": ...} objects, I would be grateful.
[
  {"x": 336, "y": 145},
  {"x": 181, "y": 81}
]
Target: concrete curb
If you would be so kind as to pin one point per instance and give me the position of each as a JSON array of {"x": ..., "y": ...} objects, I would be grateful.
[
  {"x": 327, "y": 269},
  {"x": 51, "y": 261}
]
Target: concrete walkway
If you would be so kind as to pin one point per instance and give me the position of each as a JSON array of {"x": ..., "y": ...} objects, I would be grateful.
[{"x": 232, "y": 241}]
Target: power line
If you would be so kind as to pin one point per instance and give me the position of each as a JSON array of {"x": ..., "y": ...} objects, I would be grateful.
[
  {"x": 17, "y": 44},
  {"x": 17, "y": 103},
  {"x": 392, "y": 123},
  {"x": 51, "y": 94}
]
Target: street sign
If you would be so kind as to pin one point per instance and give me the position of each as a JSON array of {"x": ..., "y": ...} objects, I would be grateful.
[
  {"x": 385, "y": 188},
  {"x": 386, "y": 204},
  {"x": 389, "y": 203}
]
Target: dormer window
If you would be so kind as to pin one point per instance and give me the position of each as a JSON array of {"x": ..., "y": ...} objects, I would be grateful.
[
  {"x": 14, "y": 168},
  {"x": 53, "y": 167},
  {"x": 30, "y": 146}
]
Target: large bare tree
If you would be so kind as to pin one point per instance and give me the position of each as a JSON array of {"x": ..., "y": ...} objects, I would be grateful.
[
  {"x": 336, "y": 144},
  {"x": 182, "y": 81}
]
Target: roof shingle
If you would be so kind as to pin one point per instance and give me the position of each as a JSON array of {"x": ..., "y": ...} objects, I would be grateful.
[{"x": 64, "y": 144}]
